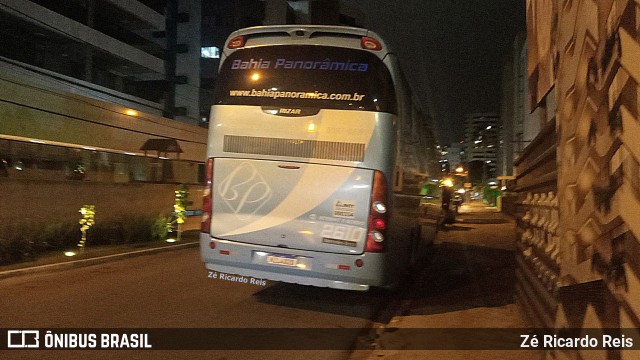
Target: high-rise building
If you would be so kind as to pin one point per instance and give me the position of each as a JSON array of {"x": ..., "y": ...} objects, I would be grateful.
[
  {"x": 140, "y": 54},
  {"x": 319, "y": 12},
  {"x": 98, "y": 92},
  {"x": 219, "y": 19},
  {"x": 453, "y": 155},
  {"x": 481, "y": 144},
  {"x": 519, "y": 127}
]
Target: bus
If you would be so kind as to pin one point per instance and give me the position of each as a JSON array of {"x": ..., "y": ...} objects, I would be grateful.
[{"x": 302, "y": 160}]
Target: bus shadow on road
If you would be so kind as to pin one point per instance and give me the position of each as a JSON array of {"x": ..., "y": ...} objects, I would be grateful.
[
  {"x": 361, "y": 304},
  {"x": 453, "y": 277},
  {"x": 455, "y": 227},
  {"x": 458, "y": 277}
]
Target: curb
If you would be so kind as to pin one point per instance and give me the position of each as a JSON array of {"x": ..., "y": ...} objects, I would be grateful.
[{"x": 91, "y": 261}]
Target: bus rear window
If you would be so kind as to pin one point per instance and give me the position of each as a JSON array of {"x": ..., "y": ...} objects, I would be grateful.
[{"x": 306, "y": 76}]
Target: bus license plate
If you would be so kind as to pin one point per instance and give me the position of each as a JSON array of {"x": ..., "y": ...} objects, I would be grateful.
[{"x": 282, "y": 260}]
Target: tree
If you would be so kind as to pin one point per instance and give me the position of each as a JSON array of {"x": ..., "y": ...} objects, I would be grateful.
[
  {"x": 180, "y": 207},
  {"x": 88, "y": 212}
]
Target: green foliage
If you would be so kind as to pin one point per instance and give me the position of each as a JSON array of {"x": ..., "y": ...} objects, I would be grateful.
[
  {"x": 145, "y": 229},
  {"x": 180, "y": 209},
  {"x": 57, "y": 235},
  {"x": 130, "y": 229},
  {"x": 86, "y": 221},
  {"x": 161, "y": 228},
  {"x": 107, "y": 233},
  {"x": 428, "y": 188},
  {"x": 22, "y": 242},
  {"x": 15, "y": 248},
  {"x": 490, "y": 195},
  {"x": 88, "y": 214},
  {"x": 181, "y": 203}
]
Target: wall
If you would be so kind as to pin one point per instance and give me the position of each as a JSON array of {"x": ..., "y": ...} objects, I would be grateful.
[
  {"x": 598, "y": 177},
  {"x": 587, "y": 52},
  {"x": 38, "y": 201},
  {"x": 536, "y": 211}
]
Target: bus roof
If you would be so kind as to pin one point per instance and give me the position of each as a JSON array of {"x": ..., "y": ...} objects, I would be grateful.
[{"x": 328, "y": 35}]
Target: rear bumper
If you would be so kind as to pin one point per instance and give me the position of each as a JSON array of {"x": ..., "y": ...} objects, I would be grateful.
[{"x": 316, "y": 268}]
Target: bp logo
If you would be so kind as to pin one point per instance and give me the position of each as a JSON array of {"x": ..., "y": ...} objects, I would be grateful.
[{"x": 244, "y": 190}]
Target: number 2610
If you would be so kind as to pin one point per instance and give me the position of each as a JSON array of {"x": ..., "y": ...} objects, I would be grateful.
[{"x": 342, "y": 232}]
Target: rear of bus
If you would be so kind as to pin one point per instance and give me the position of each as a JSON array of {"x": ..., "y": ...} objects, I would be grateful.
[{"x": 300, "y": 155}]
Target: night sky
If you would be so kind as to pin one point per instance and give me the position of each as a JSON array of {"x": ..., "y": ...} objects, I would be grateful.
[{"x": 451, "y": 49}]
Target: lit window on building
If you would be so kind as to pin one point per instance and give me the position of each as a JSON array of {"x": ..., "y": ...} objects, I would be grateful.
[{"x": 210, "y": 52}]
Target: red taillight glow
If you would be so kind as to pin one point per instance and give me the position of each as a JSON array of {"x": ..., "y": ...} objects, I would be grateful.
[
  {"x": 236, "y": 42},
  {"x": 379, "y": 224},
  {"x": 370, "y": 43},
  {"x": 205, "y": 225},
  {"x": 377, "y": 214},
  {"x": 359, "y": 263},
  {"x": 212, "y": 245}
]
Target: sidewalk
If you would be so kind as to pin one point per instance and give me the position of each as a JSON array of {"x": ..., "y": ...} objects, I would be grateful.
[
  {"x": 467, "y": 282},
  {"x": 477, "y": 207}
]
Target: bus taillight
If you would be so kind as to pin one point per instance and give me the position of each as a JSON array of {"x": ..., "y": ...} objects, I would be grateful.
[
  {"x": 377, "y": 214},
  {"x": 205, "y": 225},
  {"x": 236, "y": 43},
  {"x": 370, "y": 43}
]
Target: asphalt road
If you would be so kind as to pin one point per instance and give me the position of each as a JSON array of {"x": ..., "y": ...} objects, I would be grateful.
[
  {"x": 173, "y": 290},
  {"x": 466, "y": 281}
]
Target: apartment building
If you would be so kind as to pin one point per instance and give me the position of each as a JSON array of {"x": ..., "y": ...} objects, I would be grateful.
[
  {"x": 99, "y": 99},
  {"x": 481, "y": 143}
]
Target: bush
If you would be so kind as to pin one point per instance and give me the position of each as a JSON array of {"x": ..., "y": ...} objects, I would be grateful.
[
  {"x": 20, "y": 242},
  {"x": 58, "y": 236},
  {"x": 105, "y": 233},
  {"x": 161, "y": 228},
  {"x": 127, "y": 230},
  {"x": 137, "y": 229},
  {"x": 15, "y": 248}
]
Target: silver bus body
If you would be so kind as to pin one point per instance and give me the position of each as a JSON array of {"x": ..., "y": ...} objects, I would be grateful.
[{"x": 290, "y": 187}]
